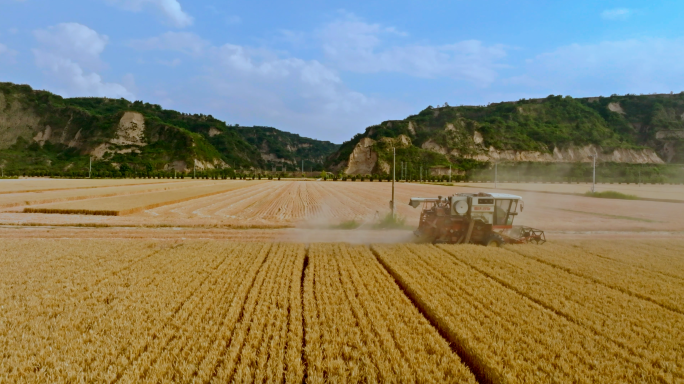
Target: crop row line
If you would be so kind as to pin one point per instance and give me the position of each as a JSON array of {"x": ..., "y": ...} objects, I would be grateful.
[
  {"x": 644, "y": 329},
  {"x": 658, "y": 301}
]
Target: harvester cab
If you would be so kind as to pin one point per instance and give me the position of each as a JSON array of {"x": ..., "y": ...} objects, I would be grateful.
[{"x": 477, "y": 218}]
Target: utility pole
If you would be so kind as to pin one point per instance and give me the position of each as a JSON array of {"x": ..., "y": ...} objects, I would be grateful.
[
  {"x": 394, "y": 175},
  {"x": 90, "y": 167},
  {"x": 496, "y": 175},
  {"x": 193, "y": 168},
  {"x": 450, "y": 173},
  {"x": 593, "y": 184},
  {"x": 421, "y": 173}
]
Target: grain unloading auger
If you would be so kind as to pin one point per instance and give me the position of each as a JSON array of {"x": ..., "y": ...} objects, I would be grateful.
[{"x": 476, "y": 218}]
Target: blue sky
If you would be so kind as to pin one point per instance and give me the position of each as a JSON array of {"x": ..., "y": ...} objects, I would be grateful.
[{"x": 329, "y": 69}]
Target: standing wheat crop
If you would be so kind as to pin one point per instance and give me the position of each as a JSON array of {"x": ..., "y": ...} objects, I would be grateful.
[
  {"x": 360, "y": 327},
  {"x": 509, "y": 337}
]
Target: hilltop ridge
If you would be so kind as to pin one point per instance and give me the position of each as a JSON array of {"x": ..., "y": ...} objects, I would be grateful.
[
  {"x": 645, "y": 129},
  {"x": 46, "y": 133}
]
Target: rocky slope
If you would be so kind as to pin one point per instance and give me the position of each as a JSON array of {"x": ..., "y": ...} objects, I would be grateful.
[
  {"x": 647, "y": 129},
  {"x": 45, "y": 132}
]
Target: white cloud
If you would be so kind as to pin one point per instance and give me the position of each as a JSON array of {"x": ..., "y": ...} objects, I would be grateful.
[
  {"x": 292, "y": 94},
  {"x": 265, "y": 68},
  {"x": 616, "y": 14},
  {"x": 267, "y": 87},
  {"x": 315, "y": 86},
  {"x": 75, "y": 41},
  {"x": 169, "y": 9},
  {"x": 63, "y": 53},
  {"x": 357, "y": 46},
  {"x": 628, "y": 66},
  {"x": 185, "y": 42}
]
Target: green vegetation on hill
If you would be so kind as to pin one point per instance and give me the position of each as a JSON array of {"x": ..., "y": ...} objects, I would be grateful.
[
  {"x": 288, "y": 148},
  {"x": 176, "y": 135},
  {"x": 537, "y": 125},
  {"x": 79, "y": 125}
]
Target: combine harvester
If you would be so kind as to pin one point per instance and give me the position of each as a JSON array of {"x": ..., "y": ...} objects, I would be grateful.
[{"x": 475, "y": 218}]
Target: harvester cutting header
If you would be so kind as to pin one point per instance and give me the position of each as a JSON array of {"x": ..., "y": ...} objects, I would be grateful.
[{"x": 476, "y": 218}]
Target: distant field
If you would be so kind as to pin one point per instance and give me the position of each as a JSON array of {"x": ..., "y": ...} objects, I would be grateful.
[
  {"x": 217, "y": 311},
  {"x": 125, "y": 205},
  {"x": 52, "y": 196},
  {"x": 646, "y": 191},
  {"x": 321, "y": 205},
  {"x": 46, "y": 184}
]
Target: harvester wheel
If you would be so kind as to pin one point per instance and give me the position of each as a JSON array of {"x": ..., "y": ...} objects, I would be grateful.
[{"x": 494, "y": 240}]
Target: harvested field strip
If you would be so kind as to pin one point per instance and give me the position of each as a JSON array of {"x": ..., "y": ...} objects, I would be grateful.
[
  {"x": 506, "y": 336},
  {"x": 141, "y": 234},
  {"x": 224, "y": 206},
  {"x": 45, "y": 185},
  {"x": 662, "y": 256},
  {"x": 294, "y": 201},
  {"x": 644, "y": 328},
  {"x": 652, "y": 192},
  {"x": 617, "y": 217},
  {"x": 125, "y": 205},
  {"x": 656, "y": 287},
  {"x": 359, "y": 326},
  {"x": 282, "y": 202},
  {"x": 35, "y": 198}
]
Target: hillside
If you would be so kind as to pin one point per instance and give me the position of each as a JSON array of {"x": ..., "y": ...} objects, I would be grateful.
[
  {"x": 45, "y": 133},
  {"x": 283, "y": 149},
  {"x": 646, "y": 129}
]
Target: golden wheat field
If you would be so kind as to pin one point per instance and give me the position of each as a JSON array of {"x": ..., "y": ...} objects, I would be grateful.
[
  {"x": 121, "y": 204},
  {"x": 48, "y": 184},
  {"x": 648, "y": 191},
  {"x": 15, "y": 199},
  {"x": 79, "y": 310},
  {"x": 306, "y": 204}
]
